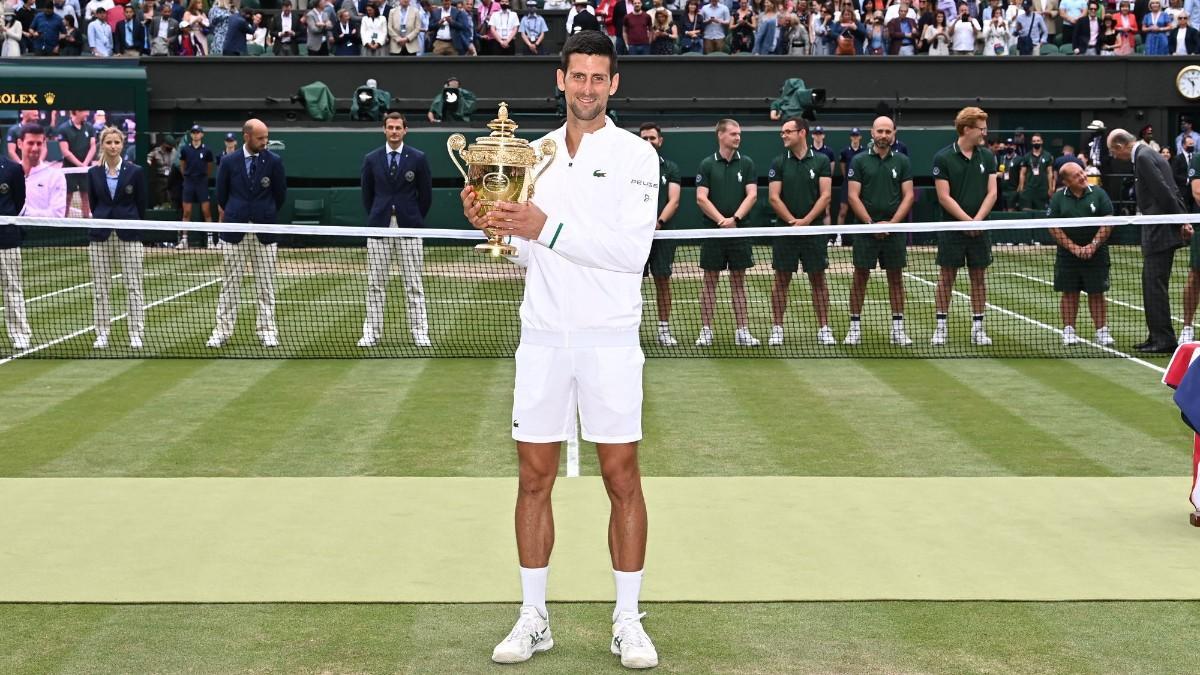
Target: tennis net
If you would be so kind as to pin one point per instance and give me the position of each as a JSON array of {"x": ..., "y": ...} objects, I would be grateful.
[{"x": 76, "y": 291}]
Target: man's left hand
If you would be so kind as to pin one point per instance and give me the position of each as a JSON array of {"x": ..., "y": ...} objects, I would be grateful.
[{"x": 522, "y": 220}]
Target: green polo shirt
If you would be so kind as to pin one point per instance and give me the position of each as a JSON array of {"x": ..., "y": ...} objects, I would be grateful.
[
  {"x": 1037, "y": 171},
  {"x": 77, "y": 140},
  {"x": 801, "y": 178},
  {"x": 1093, "y": 203},
  {"x": 726, "y": 182},
  {"x": 668, "y": 172},
  {"x": 968, "y": 177},
  {"x": 881, "y": 179}
]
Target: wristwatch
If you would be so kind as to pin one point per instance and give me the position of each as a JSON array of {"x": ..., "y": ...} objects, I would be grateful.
[{"x": 737, "y": 220}]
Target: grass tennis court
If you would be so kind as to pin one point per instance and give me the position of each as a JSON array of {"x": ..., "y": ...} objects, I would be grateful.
[{"x": 822, "y": 426}]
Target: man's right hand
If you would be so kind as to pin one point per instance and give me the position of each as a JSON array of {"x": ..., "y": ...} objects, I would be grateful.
[
  {"x": 471, "y": 209},
  {"x": 727, "y": 222}
]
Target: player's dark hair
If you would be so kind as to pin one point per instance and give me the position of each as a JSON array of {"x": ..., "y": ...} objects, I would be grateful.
[
  {"x": 591, "y": 43},
  {"x": 800, "y": 122},
  {"x": 31, "y": 130},
  {"x": 396, "y": 116}
]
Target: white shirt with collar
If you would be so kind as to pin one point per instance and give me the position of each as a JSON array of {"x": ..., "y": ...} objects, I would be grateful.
[{"x": 585, "y": 269}]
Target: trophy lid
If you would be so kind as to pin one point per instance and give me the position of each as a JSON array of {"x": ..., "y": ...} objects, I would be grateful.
[{"x": 502, "y": 131}]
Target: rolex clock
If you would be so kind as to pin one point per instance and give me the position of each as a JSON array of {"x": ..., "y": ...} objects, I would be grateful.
[{"x": 1188, "y": 82}]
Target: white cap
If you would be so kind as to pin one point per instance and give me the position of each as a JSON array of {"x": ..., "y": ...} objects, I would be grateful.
[{"x": 1096, "y": 125}]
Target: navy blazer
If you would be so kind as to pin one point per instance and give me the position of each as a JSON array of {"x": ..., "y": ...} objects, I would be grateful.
[
  {"x": 129, "y": 204},
  {"x": 246, "y": 202},
  {"x": 139, "y": 36},
  {"x": 409, "y": 195},
  {"x": 459, "y": 30},
  {"x": 236, "y": 30},
  {"x": 12, "y": 200}
]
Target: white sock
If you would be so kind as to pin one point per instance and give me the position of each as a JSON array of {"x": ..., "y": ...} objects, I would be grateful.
[
  {"x": 664, "y": 326},
  {"x": 897, "y": 324},
  {"x": 533, "y": 587},
  {"x": 941, "y": 324},
  {"x": 777, "y": 327},
  {"x": 629, "y": 586}
]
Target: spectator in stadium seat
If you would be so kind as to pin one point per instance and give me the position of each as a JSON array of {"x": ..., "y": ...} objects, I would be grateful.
[
  {"x": 118, "y": 189},
  {"x": 448, "y": 29},
  {"x": 964, "y": 32},
  {"x": 532, "y": 30},
  {"x": 504, "y": 25},
  {"x": 822, "y": 27},
  {"x": 1069, "y": 13},
  {"x": 65, "y": 9},
  {"x": 1030, "y": 30},
  {"x": 25, "y": 15},
  {"x": 1127, "y": 28},
  {"x": 964, "y": 175},
  {"x": 636, "y": 31},
  {"x": 1037, "y": 177},
  {"x": 1156, "y": 24},
  {"x": 881, "y": 192},
  {"x": 285, "y": 29},
  {"x": 45, "y": 183},
  {"x": 47, "y": 27},
  {"x": 1146, "y": 135},
  {"x": 195, "y": 16},
  {"x": 1183, "y": 39},
  {"x": 99, "y": 35},
  {"x": 1068, "y": 155},
  {"x": 346, "y": 39},
  {"x": 11, "y": 35},
  {"x": 935, "y": 37},
  {"x": 716, "y": 19},
  {"x": 1156, "y": 194},
  {"x": 997, "y": 35},
  {"x": 373, "y": 31},
  {"x": 726, "y": 191},
  {"x": 318, "y": 26},
  {"x": 1081, "y": 263},
  {"x": 576, "y": 22},
  {"x": 1088, "y": 31},
  {"x": 902, "y": 33},
  {"x": 12, "y": 203},
  {"x": 691, "y": 32},
  {"x": 164, "y": 33},
  {"x": 70, "y": 40},
  {"x": 404, "y": 25},
  {"x": 130, "y": 35},
  {"x": 800, "y": 189},
  {"x": 1109, "y": 37},
  {"x": 397, "y": 191},
  {"x": 251, "y": 188},
  {"x": 743, "y": 24},
  {"x": 1186, "y": 131},
  {"x": 770, "y": 28},
  {"x": 662, "y": 251},
  {"x": 664, "y": 34},
  {"x": 237, "y": 28}
]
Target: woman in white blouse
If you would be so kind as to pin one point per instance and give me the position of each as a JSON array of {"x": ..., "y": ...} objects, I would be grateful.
[
  {"x": 11, "y": 35},
  {"x": 373, "y": 30},
  {"x": 997, "y": 36}
]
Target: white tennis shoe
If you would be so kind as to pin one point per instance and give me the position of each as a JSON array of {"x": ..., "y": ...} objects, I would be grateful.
[
  {"x": 367, "y": 341},
  {"x": 421, "y": 339},
  {"x": 666, "y": 339},
  {"x": 743, "y": 338},
  {"x": 135, "y": 342},
  {"x": 270, "y": 340},
  {"x": 1188, "y": 334},
  {"x": 900, "y": 338},
  {"x": 939, "y": 337},
  {"x": 20, "y": 343},
  {"x": 1069, "y": 336},
  {"x": 852, "y": 336},
  {"x": 705, "y": 339},
  {"x": 631, "y": 643},
  {"x": 216, "y": 341},
  {"x": 101, "y": 341},
  {"x": 825, "y": 336},
  {"x": 530, "y": 635},
  {"x": 776, "y": 339},
  {"x": 1104, "y": 338}
]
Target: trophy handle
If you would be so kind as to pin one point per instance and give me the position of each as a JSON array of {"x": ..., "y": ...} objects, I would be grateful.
[
  {"x": 455, "y": 145},
  {"x": 547, "y": 149}
]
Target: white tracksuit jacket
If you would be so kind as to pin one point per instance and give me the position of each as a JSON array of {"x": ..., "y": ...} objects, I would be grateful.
[{"x": 584, "y": 278}]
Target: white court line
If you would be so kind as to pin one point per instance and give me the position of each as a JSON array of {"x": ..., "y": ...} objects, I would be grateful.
[
  {"x": 1039, "y": 324},
  {"x": 1106, "y": 296},
  {"x": 119, "y": 317}
]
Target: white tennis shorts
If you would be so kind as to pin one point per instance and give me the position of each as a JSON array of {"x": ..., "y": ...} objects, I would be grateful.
[{"x": 603, "y": 385}]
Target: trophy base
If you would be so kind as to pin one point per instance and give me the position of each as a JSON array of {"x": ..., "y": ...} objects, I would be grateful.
[{"x": 496, "y": 249}]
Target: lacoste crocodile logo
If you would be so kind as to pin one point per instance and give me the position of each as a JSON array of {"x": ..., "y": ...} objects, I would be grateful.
[{"x": 599, "y": 174}]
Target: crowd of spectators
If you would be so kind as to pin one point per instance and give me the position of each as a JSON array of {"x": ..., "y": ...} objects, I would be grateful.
[{"x": 106, "y": 28}]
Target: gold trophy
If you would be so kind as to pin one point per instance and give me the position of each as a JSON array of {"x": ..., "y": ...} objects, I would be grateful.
[{"x": 500, "y": 169}]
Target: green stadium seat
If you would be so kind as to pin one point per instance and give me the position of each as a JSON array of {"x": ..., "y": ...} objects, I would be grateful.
[
  {"x": 1049, "y": 50},
  {"x": 254, "y": 50},
  {"x": 308, "y": 211},
  {"x": 1067, "y": 50}
]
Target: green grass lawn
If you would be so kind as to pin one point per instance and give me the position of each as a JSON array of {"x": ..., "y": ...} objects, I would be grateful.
[{"x": 703, "y": 417}]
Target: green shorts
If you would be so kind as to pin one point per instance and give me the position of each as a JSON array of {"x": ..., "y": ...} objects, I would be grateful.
[
  {"x": 890, "y": 252},
  {"x": 1075, "y": 276},
  {"x": 787, "y": 253},
  {"x": 662, "y": 256},
  {"x": 726, "y": 254},
  {"x": 1035, "y": 201},
  {"x": 956, "y": 248}
]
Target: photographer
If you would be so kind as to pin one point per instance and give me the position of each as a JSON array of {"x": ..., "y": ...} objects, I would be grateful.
[{"x": 454, "y": 103}]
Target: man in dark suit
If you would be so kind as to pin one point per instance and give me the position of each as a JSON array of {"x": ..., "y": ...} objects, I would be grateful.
[
  {"x": 164, "y": 33},
  {"x": 1180, "y": 163},
  {"x": 285, "y": 31},
  {"x": 448, "y": 30},
  {"x": 397, "y": 191},
  {"x": 251, "y": 187},
  {"x": 130, "y": 35},
  {"x": 1086, "y": 33},
  {"x": 1191, "y": 36},
  {"x": 346, "y": 39},
  {"x": 12, "y": 201},
  {"x": 238, "y": 27},
  {"x": 1157, "y": 194}
]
